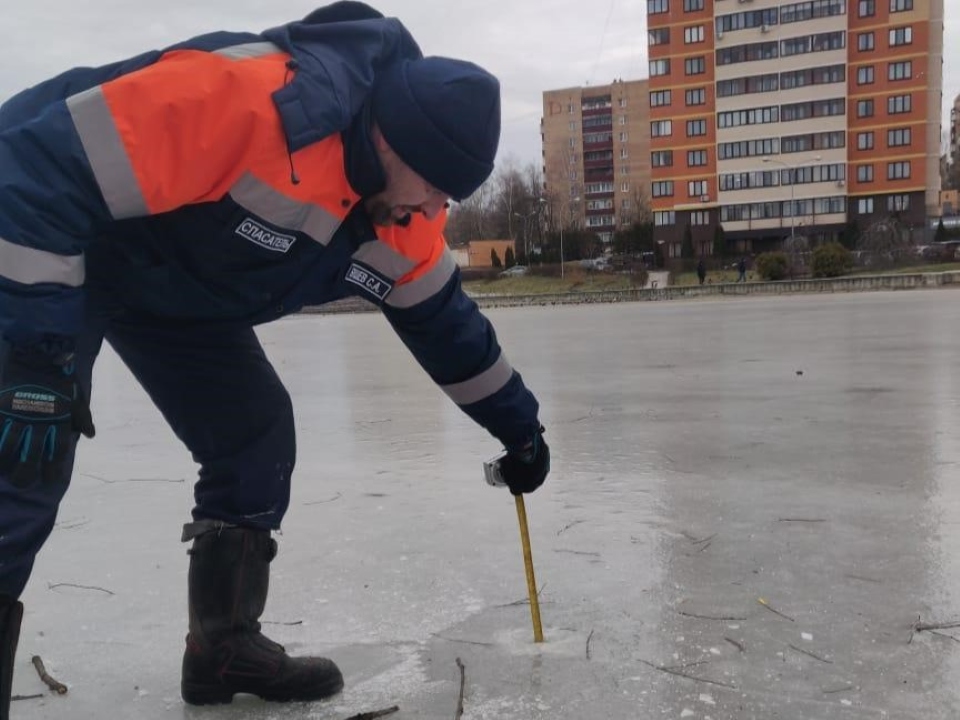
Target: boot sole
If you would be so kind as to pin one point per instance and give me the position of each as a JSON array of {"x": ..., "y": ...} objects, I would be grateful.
[{"x": 194, "y": 694}]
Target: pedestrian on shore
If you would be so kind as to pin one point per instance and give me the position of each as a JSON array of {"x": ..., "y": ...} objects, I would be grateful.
[
  {"x": 742, "y": 270},
  {"x": 702, "y": 271}
]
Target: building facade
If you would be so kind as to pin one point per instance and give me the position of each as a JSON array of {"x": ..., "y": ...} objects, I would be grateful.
[
  {"x": 775, "y": 119},
  {"x": 596, "y": 155}
]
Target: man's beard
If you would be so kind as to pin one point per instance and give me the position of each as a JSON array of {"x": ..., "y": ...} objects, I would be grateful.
[{"x": 381, "y": 213}]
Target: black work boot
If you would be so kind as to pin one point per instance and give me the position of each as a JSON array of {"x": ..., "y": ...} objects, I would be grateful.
[
  {"x": 11, "y": 613},
  {"x": 226, "y": 652}
]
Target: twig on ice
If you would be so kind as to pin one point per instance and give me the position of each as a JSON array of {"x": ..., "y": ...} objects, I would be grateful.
[{"x": 55, "y": 685}]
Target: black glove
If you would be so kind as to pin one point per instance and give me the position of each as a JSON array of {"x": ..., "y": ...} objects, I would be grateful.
[
  {"x": 525, "y": 470},
  {"x": 41, "y": 405}
]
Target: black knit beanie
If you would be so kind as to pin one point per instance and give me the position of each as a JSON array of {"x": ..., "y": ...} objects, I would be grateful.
[{"x": 442, "y": 117}]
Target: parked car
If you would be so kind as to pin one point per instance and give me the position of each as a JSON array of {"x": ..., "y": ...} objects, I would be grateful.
[{"x": 514, "y": 271}]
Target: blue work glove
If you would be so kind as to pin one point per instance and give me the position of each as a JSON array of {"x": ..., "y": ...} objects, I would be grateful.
[
  {"x": 41, "y": 406},
  {"x": 524, "y": 470}
]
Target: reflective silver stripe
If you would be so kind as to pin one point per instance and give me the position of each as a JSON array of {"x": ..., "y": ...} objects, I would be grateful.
[
  {"x": 384, "y": 259},
  {"x": 418, "y": 290},
  {"x": 248, "y": 50},
  {"x": 483, "y": 385},
  {"x": 31, "y": 266},
  {"x": 262, "y": 200},
  {"x": 107, "y": 155}
]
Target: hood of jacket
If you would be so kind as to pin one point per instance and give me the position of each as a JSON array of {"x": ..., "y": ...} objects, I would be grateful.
[{"x": 337, "y": 52}]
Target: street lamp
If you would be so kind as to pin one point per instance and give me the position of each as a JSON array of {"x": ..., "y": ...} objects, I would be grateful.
[
  {"x": 793, "y": 184},
  {"x": 526, "y": 234}
]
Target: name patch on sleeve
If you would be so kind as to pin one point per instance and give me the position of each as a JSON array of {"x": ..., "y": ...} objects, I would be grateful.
[
  {"x": 264, "y": 237},
  {"x": 369, "y": 281}
]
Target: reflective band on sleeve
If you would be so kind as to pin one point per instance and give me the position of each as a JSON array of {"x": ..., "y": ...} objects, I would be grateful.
[
  {"x": 483, "y": 385},
  {"x": 261, "y": 199},
  {"x": 107, "y": 155},
  {"x": 30, "y": 266},
  {"x": 411, "y": 293},
  {"x": 384, "y": 259},
  {"x": 248, "y": 50}
]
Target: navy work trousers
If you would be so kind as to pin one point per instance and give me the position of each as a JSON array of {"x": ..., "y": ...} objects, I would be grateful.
[{"x": 223, "y": 399}]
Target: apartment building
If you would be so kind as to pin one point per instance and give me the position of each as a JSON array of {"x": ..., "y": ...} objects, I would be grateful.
[
  {"x": 774, "y": 119},
  {"x": 596, "y": 154}
]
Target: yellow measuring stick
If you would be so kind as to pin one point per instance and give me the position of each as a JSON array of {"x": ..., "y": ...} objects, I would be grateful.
[{"x": 528, "y": 563}]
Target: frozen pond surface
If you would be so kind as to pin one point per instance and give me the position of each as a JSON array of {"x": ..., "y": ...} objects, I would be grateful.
[{"x": 695, "y": 472}]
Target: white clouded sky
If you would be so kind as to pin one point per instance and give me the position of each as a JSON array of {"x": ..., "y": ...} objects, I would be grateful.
[{"x": 531, "y": 45}]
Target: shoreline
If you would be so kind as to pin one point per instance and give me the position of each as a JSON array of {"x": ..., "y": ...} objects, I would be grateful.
[{"x": 857, "y": 283}]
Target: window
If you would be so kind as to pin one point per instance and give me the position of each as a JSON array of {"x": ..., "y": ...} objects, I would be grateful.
[
  {"x": 748, "y": 19},
  {"x": 865, "y": 141},
  {"x": 658, "y": 36},
  {"x": 597, "y": 137},
  {"x": 623, "y": 119},
  {"x": 696, "y": 158},
  {"x": 573, "y": 127},
  {"x": 624, "y": 187},
  {"x": 901, "y": 5},
  {"x": 900, "y": 70},
  {"x": 805, "y": 174},
  {"x": 864, "y": 173},
  {"x": 753, "y": 116},
  {"x": 624, "y": 169},
  {"x": 622, "y": 102},
  {"x": 693, "y": 34},
  {"x": 801, "y": 11},
  {"x": 668, "y": 217},
  {"x": 700, "y": 217},
  {"x": 695, "y": 5},
  {"x": 746, "y": 180},
  {"x": 696, "y": 127},
  {"x": 812, "y": 141},
  {"x": 696, "y": 97},
  {"x": 661, "y": 128},
  {"x": 695, "y": 66},
  {"x": 623, "y": 153},
  {"x": 597, "y": 120},
  {"x": 659, "y": 67},
  {"x": 901, "y": 36},
  {"x": 898, "y": 170},
  {"x": 812, "y": 76},
  {"x": 898, "y": 137},
  {"x": 623, "y": 137},
  {"x": 661, "y": 158},
  {"x": 866, "y": 8},
  {"x": 659, "y": 98},
  {"x": 748, "y": 148},
  {"x": 815, "y": 108},
  {"x": 864, "y": 108},
  {"x": 865, "y": 42},
  {"x": 750, "y": 52},
  {"x": 573, "y": 142},
  {"x": 865, "y": 75},
  {"x": 655, "y": 7},
  {"x": 663, "y": 188},
  {"x": 865, "y": 206},
  {"x": 748, "y": 85},
  {"x": 820, "y": 42},
  {"x": 570, "y": 108},
  {"x": 698, "y": 188},
  {"x": 897, "y": 104},
  {"x": 594, "y": 188},
  {"x": 898, "y": 203}
]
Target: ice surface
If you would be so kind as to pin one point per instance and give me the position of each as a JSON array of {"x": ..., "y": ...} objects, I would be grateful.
[{"x": 694, "y": 472}]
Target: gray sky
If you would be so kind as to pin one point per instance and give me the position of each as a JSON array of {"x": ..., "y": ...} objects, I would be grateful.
[{"x": 530, "y": 46}]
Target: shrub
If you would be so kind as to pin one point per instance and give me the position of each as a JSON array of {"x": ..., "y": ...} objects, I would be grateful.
[
  {"x": 772, "y": 265},
  {"x": 831, "y": 260}
]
